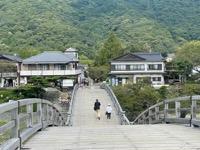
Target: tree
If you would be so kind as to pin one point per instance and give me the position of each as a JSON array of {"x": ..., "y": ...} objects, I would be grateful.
[
  {"x": 110, "y": 49},
  {"x": 85, "y": 60},
  {"x": 26, "y": 52},
  {"x": 7, "y": 66},
  {"x": 99, "y": 73},
  {"x": 135, "y": 98},
  {"x": 190, "y": 53}
]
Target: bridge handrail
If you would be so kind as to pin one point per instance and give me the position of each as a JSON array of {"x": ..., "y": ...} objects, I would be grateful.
[
  {"x": 46, "y": 115},
  {"x": 69, "y": 121},
  {"x": 123, "y": 119},
  {"x": 161, "y": 112}
]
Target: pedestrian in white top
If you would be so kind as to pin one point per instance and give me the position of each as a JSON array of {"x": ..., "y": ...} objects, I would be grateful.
[{"x": 108, "y": 111}]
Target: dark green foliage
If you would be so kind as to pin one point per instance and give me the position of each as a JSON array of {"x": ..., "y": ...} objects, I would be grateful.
[
  {"x": 163, "y": 92},
  {"x": 99, "y": 73},
  {"x": 47, "y": 81},
  {"x": 84, "y": 24},
  {"x": 4, "y": 95},
  {"x": 28, "y": 92},
  {"x": 6, "y": 66},
  {"x": 111, "y": 48},
  {"x": 136, "y": 98},
  {"x": 21, "y": 93}
]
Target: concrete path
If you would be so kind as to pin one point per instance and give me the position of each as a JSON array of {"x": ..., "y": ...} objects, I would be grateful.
[{"x": 84, "y": 113}]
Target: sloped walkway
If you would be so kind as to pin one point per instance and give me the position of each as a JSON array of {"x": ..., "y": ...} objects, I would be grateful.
[
  {"x": 89, "y": 133},
  {"x": 116, "y": 137},
  {"x": 84, "y": 113}
]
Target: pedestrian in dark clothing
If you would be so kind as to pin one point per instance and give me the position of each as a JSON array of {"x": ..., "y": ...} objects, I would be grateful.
[{"x": 97, "y": 105}]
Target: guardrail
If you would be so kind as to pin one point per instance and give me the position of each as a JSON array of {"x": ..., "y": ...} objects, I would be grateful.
[
  {"x": 23, "y": 121},
  {"x": 123, "y": 119},
  {"x": 185, "y": 110},
  {"x": 69, "y": 121}
]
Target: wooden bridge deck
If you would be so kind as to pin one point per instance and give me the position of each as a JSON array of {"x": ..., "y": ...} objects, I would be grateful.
[
  {"x": 88, "y": 133},
  {"x": 117, "y": 137},
  {"x": 84, "y": 113}
]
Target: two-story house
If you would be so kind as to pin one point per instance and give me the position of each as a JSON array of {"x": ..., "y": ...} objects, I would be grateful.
[
  {"x": 131, "y": 67},
  {"x": 9, "y": 70},
  {"x": 50, "y": 63}
]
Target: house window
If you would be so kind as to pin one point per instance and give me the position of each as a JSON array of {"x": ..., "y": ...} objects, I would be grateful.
[
  {"x": 137, "y": 67},
  {"x": 60, "y": 67},
  {"x": 45, "y": 67},
  {"x": 156, "y": 78},
  {"x": 31, "y": 67},
  {"x": 155, "y": 67},
  {"x": 120, "y": 67}
]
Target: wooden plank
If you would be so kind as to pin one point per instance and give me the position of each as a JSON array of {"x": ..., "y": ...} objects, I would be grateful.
[
  {"x": 7, "y": 126},
  {"x": 8, "y": 106},
  {"x": 136, "y": 137},
  {"x": 11, "y": 144}
]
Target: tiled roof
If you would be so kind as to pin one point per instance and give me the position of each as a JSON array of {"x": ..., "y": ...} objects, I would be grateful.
[
  {"x": 151, "y": 56},
  {"x": 12, "y": 57},
  {"x": 48, "y": 57}
]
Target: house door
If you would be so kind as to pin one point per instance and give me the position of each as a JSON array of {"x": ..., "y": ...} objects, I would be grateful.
[{"x": 119, "y": 81}]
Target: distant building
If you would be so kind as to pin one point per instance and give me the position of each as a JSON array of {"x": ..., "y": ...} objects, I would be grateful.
[
  {"x": 131, "y": 67},
  {"x": 50, "y": 63},
  {"x": 10, "y": 78}
]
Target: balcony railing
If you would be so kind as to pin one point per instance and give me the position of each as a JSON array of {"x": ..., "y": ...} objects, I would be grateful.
[
  {"x": 9, "y": 74},
  {"x": 49, "y": 72}
]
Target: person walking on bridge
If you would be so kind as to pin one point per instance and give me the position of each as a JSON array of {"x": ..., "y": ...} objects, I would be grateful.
[
  {"x": 108, "y": 111},
  {"x": 97, "y": 105}
]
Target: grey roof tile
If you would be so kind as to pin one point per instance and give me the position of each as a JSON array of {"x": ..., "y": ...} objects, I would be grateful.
[
  {"x": 48, "y": 57},
  {"x": 150, "y": 56},
  {"x": 12, "y": 57}
]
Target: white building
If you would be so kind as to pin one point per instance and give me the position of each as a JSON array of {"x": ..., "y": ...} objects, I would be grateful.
[
  {"x": 131, "y": 67},
  {"x": 49, "y": 63}
]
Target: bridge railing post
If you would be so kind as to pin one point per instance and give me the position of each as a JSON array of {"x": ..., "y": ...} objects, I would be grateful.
[
  {"x": 15, "y": 117},
  {"x": 177, "y": 110},
  {"x": 193, "y": 109},
  {"x": 54, "y": 116},
  {"x": 45, "y": 112},
  {"x": 48, "y": 113},
  {"x": 143, "y": 119},
  {"x": 39, "y": 110},
  {"x": 51, "y": 113},
  {"x": 29, "y": 110},
  {"x": 165, "y": 111},
  {"x": 150, "y": 116},
  {"x": 157, "y": 115}
]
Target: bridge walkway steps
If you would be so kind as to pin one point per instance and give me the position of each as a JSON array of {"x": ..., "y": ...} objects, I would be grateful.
[{"x": 84, "y": 113}]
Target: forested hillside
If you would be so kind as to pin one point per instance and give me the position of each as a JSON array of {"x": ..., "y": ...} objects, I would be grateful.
[{"x": 159, "y": 25}]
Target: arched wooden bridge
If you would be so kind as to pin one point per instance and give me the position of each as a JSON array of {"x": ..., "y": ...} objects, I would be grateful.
[{"x": 157, "y": 128}]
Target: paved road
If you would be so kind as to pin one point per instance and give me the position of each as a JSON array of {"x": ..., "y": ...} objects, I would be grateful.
[{"x": 84, "y": 104}]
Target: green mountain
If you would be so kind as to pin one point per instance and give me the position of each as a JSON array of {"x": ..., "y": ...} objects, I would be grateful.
[{"x": 159, "y": 25}]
